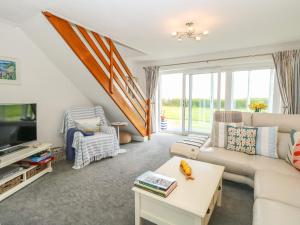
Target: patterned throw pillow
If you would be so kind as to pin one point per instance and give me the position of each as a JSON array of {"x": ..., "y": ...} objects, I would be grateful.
[
  {"x": 266, "y": 142},
  {"x": 295, "y": 157},
  {"x": 242, "y": 139},
  {"x": 219, "y": 136},
  {"x": 295, "y": 135}
]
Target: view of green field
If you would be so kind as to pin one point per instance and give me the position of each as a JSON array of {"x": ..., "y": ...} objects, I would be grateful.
[
  {"x": 200, "y": 118},
  {"x": 201, "y": 113}
]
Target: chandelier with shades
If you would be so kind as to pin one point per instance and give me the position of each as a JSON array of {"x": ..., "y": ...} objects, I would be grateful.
[{"x": 191, "y": 33}]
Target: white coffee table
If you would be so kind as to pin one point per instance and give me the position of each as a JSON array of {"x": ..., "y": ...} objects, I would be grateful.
[{"x": 192, "y": 201}]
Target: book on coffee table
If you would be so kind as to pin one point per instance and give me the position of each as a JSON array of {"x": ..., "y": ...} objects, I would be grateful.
[{"x": 156, "y": 183}]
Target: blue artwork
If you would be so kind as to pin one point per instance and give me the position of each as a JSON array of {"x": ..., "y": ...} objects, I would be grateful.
[{"x": 8, "y": 70}]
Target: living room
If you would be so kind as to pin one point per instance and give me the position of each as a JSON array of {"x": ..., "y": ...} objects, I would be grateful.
[{"x": 100, "y": 98}]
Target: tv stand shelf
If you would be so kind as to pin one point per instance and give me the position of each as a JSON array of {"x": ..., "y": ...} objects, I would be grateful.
[
  {"x": 16, "y": 156},
  {"x": 26, "y": 178}
]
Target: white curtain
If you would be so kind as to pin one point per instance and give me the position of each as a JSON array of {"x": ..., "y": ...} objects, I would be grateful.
[
  {"x": 287, "y": 64},
  {"x": 152, "y": 75}
]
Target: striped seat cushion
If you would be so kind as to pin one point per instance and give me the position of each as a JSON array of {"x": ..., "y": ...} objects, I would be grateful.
[
  {"x": 219, "y": 135},
  {"x": 194, "y": 140},
  {"x": 266, "y": 142}
]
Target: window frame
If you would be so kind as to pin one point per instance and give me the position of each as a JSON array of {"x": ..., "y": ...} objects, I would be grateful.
[{"x": 229, "y": 82}]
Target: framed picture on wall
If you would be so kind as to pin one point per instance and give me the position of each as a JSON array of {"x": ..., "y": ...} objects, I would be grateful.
[{"x": 9, "y": 71}]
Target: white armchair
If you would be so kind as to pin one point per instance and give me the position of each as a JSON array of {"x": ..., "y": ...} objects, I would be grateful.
[{"x": 101, "y": 145}]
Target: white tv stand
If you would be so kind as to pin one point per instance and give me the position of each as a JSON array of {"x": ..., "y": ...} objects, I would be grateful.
[{"x": 25, "y": 179}]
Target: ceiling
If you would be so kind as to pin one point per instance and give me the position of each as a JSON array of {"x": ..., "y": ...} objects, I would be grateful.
[{"x": 146, "y": 25}]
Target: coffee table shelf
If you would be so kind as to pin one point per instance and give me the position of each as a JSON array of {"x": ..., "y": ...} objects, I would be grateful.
[{"x": 192, "y": 201}]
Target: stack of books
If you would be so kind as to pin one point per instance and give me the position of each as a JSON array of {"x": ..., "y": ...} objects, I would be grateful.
[
  {"x": 156, "y": 183},
  {"x": 39, "y": 158}
]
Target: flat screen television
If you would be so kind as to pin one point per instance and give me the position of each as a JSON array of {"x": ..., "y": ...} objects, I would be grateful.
[{"x": 17, "y": 125}]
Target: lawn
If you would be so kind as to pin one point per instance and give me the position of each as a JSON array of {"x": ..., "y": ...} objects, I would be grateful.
[
  {"x": 198, "y": 114},
  {"x": 200, "y": 118},
  {"x": 201, "y": 115}
]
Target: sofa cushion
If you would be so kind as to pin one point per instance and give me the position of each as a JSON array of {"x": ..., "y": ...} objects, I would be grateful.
[
  {"x": 283, "y": 144},
  {"x": 278, "y": 187},
  {"x": 294, "y": 147},
  {"x": 247, "y": 118},
  {"x": 280, "y": 166},
  {"x": 267, "y": 212},
  {"x": 285, "y": 122},
  {"x": 184, "y": 150},
  {"x": 241, "y": 139},
  {"x": 294, "y": 155},
  {"x": 234, "y": 162},
  {"x": 295, "y": 135},
  {"x": 219, "y": 135},
  {"x": 266, "y": 142}
]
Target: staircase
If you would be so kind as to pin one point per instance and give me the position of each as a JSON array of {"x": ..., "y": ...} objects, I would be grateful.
[{"x": 102, "y": 59}]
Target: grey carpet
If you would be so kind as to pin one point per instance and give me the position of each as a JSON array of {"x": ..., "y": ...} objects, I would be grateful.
[{"x": 100, "y": 194}]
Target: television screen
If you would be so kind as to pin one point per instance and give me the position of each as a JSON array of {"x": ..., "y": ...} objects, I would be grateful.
[{"x": 17, "y": 124}]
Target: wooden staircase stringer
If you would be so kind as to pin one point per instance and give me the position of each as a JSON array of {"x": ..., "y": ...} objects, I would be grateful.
[{"x": 66, "y": 31}]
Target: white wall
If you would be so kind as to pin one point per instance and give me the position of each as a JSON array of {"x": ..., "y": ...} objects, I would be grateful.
[
  {"x": 137, "y": 71},
  {"x": 41, "y": 83},
  {"x": 225, "y": 54}
]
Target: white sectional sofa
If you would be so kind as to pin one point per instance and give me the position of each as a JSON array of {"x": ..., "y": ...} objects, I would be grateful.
[{"x": 276, "y": 183}]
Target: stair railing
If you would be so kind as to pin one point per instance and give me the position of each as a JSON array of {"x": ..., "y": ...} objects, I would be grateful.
[{"x": 120, "y": 76}]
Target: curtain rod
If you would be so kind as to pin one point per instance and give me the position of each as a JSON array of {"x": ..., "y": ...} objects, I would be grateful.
[{"x": 217, "y": 59}]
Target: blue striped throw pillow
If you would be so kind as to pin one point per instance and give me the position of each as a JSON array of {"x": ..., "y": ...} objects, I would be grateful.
[{"x": 266, "y": 142}]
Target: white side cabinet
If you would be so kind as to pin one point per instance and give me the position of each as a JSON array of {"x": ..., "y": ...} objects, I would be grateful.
[{"x": 25, "y": 176}]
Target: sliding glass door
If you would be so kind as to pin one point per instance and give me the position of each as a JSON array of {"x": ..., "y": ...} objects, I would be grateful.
[
  {"x": 188, "y": 99},
  {"x": 171, "y": 101},
  {"x": 202, "y": 96}
]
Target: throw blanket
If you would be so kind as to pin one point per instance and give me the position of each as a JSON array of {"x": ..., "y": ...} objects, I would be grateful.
[
  {"x": 189, "y": 146},
  {"x": 70, "y": 151},
  {"x": 228, "y": 116},
  {"x": 93, "y": 148},
  {"x": 194, "y": 140}
]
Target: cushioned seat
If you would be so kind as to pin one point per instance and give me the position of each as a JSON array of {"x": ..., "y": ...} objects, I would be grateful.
[
  {"x": 276, "y": 182},
  {"x": 280, "y": 166},
  {"x": 277, "y": 187},
  {"x": 267, "y": 212},
  {"x": 184, "y": 150},
  {"x": 234, "y": 162}
]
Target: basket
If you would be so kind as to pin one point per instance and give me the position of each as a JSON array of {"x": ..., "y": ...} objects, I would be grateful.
[
  {"x": 35, "y": 170},
  {"x": 10, "y": 184},
  {"x": 58, "y": 154}
]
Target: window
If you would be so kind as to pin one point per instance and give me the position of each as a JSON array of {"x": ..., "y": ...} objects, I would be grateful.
[
  {"x": 171, "y": 86},
  {"x": 204, "y": 98},
  {"x": 252, "y": 86},
  {"x": 189, "y": 98}
]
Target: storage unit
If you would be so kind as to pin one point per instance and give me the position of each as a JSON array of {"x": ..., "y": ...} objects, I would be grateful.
[{"x": 18, "y": 180}]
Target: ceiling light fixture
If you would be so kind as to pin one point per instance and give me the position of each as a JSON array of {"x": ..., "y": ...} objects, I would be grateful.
[{"x": 190, "y": 33}]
